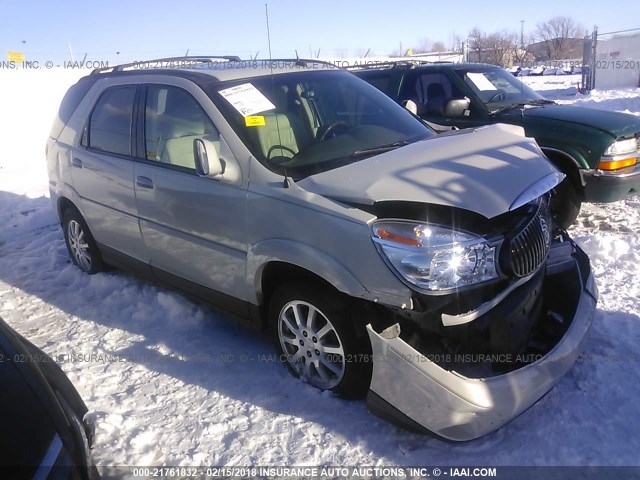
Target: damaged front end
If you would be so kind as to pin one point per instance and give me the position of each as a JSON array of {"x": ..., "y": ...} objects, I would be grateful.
[{"x": 465, "y": 361}]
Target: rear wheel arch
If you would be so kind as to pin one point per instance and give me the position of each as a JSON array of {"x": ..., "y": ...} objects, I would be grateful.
[{"x": 63, "y": 204}]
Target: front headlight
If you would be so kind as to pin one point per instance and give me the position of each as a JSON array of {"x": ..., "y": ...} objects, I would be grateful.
[
  {"x": 622, "y": 147},
  {"x": 620, "y": 154},
  {"x": 433, "y": 257}
]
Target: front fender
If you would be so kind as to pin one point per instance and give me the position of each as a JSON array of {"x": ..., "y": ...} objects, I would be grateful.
[
  {"x": 577, "y": 157},
  {"x": 303, "y": 256}
]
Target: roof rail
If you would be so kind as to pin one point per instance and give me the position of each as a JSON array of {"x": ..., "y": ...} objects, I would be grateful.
[
  {"x": 297, "y": 61},
  {"x": 195, "y": 59},
  {"x": 403, "y": 62}
]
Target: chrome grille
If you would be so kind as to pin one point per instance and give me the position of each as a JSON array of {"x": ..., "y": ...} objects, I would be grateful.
[{"x": 529, "y": 248}]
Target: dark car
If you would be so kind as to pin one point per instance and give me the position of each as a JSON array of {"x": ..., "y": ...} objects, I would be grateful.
[
  {"x": 44, "y": 431},
  {"x": 597, "y": 150}
]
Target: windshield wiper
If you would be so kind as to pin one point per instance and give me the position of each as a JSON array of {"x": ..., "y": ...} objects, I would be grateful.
[
  {"x": 379, "y": 149},
  {"x": 540, "y": 101},
  {"x": 534, "y": 103}
]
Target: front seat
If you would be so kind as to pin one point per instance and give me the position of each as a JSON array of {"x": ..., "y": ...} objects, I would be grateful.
[
  {"x": 281, "y": 137},
  {"x": 408, "y": 98},
  {"x": 436, "y": 99},
  {"x": 182, "y": 124}
]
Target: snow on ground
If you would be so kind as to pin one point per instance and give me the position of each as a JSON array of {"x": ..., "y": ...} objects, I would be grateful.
[
  {"x": 564, "y": 89},
  {"x": 171, "y": 382}
]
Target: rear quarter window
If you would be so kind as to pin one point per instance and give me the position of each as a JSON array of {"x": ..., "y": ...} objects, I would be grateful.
[{"x": 69, "y": 103}]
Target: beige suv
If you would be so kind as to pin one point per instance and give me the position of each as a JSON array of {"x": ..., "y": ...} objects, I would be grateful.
[{"x": 424, "y": 271}]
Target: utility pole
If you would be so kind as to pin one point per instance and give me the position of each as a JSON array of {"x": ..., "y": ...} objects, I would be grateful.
[{"x": 521, "y": 33}]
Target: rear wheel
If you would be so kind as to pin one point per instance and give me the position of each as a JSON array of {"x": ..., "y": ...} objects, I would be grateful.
[
  {"x": 314, "y": 333},
  {"x": 80, "y": 243}
]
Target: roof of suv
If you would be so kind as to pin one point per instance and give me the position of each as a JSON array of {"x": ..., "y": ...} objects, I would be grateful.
[
  {"x": 410, "y": 65},
  {"x": 206, "y": 70}
]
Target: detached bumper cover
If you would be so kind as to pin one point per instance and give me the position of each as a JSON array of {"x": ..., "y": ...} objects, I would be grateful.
[{"x": 409, "y": 389}]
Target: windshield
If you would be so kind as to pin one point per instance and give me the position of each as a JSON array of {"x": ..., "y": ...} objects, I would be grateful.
[
  {"x": 309, "y": 122},
  {"x": 497, "y": 88}
]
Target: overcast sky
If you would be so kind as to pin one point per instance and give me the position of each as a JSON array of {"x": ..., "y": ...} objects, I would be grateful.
[{"x": 143, "y": 30}]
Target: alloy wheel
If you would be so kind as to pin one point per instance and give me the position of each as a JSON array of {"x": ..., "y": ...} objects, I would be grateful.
[
  {"x": 311, "y": 344},
  {"x": 78, "y": 245}
]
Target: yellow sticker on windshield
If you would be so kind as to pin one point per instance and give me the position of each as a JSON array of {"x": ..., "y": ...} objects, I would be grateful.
[{"x": 254, "y": 121}]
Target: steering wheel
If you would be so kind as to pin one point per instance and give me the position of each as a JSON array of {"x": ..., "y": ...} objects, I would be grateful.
[
  {"x": 332, "y": 128},
  {"x": 497, "y": 97},
  {"x": 280, "y": 147}
]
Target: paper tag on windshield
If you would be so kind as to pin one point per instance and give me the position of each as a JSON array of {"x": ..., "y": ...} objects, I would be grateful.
[
  {"x": 247, "y": 99},
  {"x": 480, "y": 81}
]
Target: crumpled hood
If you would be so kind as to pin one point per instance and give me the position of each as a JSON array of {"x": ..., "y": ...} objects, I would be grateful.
[
  {"x": 615, "y": 123},
  {"x": 486, "y": 170}
]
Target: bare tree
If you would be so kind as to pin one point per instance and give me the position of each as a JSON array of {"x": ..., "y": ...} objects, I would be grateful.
[
  {"x": 496, "y": 48},
  {"x": 477, "y": 41},
  {"x": 522, "y": 52},
  {"x": 556, "y": 34},
  {"x": 438, "y": 47},
  {"x": 424, "y": 46},
  {"x": 499, "y": 48}
]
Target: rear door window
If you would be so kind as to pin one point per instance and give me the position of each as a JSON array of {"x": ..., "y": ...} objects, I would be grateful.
[{"x": 111, "y": 121}]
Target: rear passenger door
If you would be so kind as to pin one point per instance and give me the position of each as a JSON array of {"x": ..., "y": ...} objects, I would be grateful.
[
  {"x": 102, "y": 171},
  {"x": 193, "y": 227}
]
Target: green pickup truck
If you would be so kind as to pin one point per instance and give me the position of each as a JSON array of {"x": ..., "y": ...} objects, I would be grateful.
[{"x": 597, "y": 150}]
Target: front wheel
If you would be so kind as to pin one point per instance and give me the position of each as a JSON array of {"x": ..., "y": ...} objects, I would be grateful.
[
  {"x": 318, "y": 341},
  {"x": 566, "y": 203}
]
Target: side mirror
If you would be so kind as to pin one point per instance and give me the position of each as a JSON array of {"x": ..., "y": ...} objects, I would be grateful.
[
  {"x": 456, "y": 107},
  {"x": 411, "y": 106},
  {"x": 208, "y": 162}
]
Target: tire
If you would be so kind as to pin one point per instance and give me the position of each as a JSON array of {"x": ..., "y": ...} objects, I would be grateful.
[
  {"x": 566, "y": 203},
  {"x": 80, "y": 243},
  {"x": 332, "y": 352}
]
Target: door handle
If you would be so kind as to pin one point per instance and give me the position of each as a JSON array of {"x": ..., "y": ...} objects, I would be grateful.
[
  {"x": 76, "y": 162},
  {"x": 144, "y": 182}
]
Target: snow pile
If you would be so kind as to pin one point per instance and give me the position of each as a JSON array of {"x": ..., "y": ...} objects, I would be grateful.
[
  {"x": 171, "y": 382},
  {"x": 564, "y": 89}
]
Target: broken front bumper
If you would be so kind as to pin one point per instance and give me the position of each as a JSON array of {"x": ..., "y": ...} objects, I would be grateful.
[
  {"x": 409, "y": 389},
  {"x": 603, "y": 186}
]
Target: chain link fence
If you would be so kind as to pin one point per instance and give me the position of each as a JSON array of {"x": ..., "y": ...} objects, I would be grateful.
[{"x": 611, "y": 60}]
